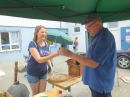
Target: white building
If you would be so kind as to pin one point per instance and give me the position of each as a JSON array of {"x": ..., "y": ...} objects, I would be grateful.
[
  {"x": 24, "y": 29},
  {"x": 121, "y": 32}
]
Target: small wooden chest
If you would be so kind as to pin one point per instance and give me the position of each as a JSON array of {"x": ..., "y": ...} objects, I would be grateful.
[{"x": 73, "y": 68}]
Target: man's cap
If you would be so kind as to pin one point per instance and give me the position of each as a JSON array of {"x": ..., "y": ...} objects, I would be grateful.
[{"x": 91, "y": 17}]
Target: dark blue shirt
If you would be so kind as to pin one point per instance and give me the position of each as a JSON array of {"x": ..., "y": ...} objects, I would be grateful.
[
  {"x": 33, "y": 67},
  {"x": 102, "y": 50}
]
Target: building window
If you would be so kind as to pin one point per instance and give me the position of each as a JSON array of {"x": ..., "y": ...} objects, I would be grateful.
[
  {"x": 9, "y": 40},
  {"x": 76, "y": 29},
  {"x": 113, "y": 25}
]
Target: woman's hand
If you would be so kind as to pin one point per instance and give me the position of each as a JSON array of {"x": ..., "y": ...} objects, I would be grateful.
[
  {"x": 51, "y": 71},
  {"x": 56, "y": 54}
]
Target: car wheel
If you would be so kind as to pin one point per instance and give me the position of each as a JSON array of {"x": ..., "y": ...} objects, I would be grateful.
[{"x": 123, "y": 62}]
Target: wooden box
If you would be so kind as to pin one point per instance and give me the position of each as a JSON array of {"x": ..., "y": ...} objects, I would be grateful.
[
  {"x": 5, "y": 94},
  {"x": 73, "y": 68}
]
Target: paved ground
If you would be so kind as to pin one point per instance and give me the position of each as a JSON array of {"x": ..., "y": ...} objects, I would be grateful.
[{"x": 79, "y": 90}]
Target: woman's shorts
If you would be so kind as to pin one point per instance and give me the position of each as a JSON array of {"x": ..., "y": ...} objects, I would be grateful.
[{"x": 35, "y": 79}]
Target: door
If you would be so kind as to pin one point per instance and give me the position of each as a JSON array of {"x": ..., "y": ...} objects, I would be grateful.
[
  {"x": 125, "y": 37},
  {"x": 86, "y": 40}
]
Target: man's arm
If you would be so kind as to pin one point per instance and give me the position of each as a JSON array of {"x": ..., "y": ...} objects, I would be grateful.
[
  {"x": 81, "y": 59},
  {"x": 84, "y": 60}
]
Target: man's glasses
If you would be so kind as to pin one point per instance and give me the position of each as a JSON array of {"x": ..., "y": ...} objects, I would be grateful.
[{"x": 90, "y": 25}]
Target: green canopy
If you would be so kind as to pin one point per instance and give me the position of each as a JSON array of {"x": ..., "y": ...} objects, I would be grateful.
[
  {"x": 58, "y": 37},
  {"x": 66, "y": 10}
]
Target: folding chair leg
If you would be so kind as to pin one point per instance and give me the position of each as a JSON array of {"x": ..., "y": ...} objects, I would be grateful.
[{"x": 117, "y": 79}]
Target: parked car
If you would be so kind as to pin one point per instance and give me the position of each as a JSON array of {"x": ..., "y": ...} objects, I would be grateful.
[{"x": 123, "y": 58}]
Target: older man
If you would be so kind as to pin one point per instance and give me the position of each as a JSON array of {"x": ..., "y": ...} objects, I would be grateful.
[{"x": 100, "y": 61}]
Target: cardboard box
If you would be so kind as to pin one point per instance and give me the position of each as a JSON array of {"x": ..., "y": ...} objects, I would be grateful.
[{"x": 41, "y": 95}]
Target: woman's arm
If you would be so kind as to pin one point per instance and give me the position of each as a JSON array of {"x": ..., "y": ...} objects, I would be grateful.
[
  {"x": 40, "y": 59},
  {"x": 49, "y": 63}
]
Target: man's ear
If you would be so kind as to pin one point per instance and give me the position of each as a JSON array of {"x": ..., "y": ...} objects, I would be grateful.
[{"x": 97, "y": 23}]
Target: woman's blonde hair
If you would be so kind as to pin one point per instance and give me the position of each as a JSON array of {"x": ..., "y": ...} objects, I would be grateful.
[
  {"x": 76, "y": 39},
  {"x": 37, "y": 28}
]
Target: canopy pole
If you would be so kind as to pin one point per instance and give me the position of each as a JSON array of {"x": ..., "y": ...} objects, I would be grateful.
[
  {"x": 60, "y": 30},
  {"x": 60, "y": 25}
]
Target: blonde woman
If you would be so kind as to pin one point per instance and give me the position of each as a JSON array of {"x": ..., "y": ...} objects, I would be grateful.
[
  {"x": 75, "y": 46},
  {"x": 38, "y": 61}
]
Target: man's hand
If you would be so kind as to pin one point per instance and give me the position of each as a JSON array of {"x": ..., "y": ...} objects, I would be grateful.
[{"x": 65, "y": 52}]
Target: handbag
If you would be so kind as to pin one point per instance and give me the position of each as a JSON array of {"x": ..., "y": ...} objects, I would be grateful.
[{"x": 73, "y": 47}]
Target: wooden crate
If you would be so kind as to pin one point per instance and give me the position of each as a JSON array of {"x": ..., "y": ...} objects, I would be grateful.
[
  {"x": 5, "y": 94},
  {"x": 50, "y": 93}
]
